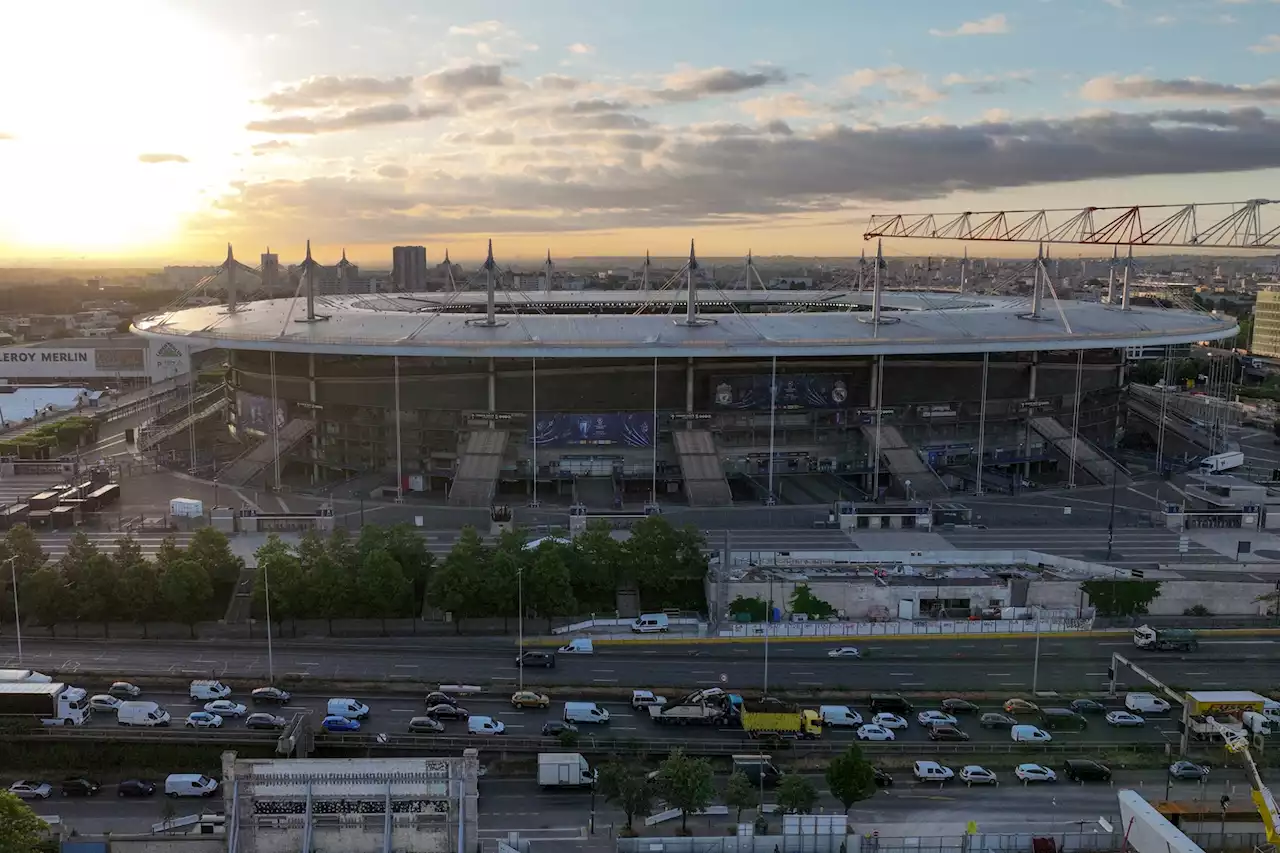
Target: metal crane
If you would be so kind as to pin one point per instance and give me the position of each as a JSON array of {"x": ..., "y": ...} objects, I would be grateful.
[{"x": 1238, "y": 742}]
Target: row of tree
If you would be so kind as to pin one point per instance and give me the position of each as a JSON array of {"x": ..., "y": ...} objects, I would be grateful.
[{"x": 688, "y": 783}]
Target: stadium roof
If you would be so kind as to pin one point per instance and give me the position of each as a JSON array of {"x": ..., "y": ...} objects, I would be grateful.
[{"x": 594, "y": 324}]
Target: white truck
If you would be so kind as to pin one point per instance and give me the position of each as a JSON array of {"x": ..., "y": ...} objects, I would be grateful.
[
  {"x": 564, "y": 770},
  {"x": 53, "y": 704},
  {"x": 29, "y": 676},
  {"x": 1220, "y": 462}
]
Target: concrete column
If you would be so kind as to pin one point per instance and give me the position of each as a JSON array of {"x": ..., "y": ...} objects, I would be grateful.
[
  {"x": 873, "y": 402},
  {"x": 469, "y": 800},
  {"x": 493, "y": 389},
  {"x": 688, "y": 387},
  {"x": 1031, "y": 395},
  {"x": 316, "y": 412}
]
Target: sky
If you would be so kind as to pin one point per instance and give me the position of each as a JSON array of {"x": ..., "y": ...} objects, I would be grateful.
[{"x": 141, "y": 129}]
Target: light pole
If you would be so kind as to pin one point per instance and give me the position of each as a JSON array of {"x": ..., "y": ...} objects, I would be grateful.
[
  {"x": 1111, "y": 521},
  {"x": 1035, "y": 665},
  {"x": 768, "y": 622},
  {"x": 520, "y": 623},
  {"x": 271, "y": 661},
  {"x": 17, "y": 619}
]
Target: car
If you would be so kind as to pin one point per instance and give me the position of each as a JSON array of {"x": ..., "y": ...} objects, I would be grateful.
[
  {"x": 1122, "y": 719},
  {"x": 447, "y": 712},
  {"x": 262, "y": 720},
  {"x": 1034, "y": 773},
  {"x": 935, "y": 718},
  {"x": 645, "y": 699},
  {"x": 545, "y": 659},
  {"x": 272, "y": 695},
  {"x": 946, "y": 733},
  {"x": 1189, "y": 771},
  {"x": 974, "y": 774},
  {"x": 435, "y": 697},
  {"x": 104, "y": 702},
  {"x": 871, "y": 731},
  {"x": 225, "y": 708},
  {"x": 889, "y": 721},
  {"x": 124, "y": 690},
  {"x": 931, "y": 771},
  {"x": 958, "y": 706},
  {"x": 845, "y": 652},
  {"x": 530, "y": 699},
  {"x": 334, "y": 723},
  {"x": 1087, "y": 706},
  {"x": 25, "y": 790},
  {"x": 1021, "y": 706},
  {"x": 555, "y": 728},
  {"x": 203, "y": 720},
  {"x": 135, "y": 788},
  {"x": 425, "y": 725},
  {"x": 997, "y": 721},
  {"x": 79, "y": 786},
  {"x": 883, "y": 778},
  {"x": 1084, "y": 770}
]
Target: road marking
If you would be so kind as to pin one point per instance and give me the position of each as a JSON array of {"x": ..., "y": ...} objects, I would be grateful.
[
  {"x": 912, "y": 684},
  {"x": 605, "y": 680},
  {"x": 802, "y": 673},
  {"x": 624, "y": 728},
  {"x": 999, "y": 674},
  {"x": 406, "y": 666},
  {"x": 502, "y": 678},
  {"x": 602, "y": 670},
  {"x": 899, "y": 674},
  {"x": 307, "y": 663},
  {"x": 810, "y": 683},
  {"x": 404, "y": 710},
  {"x": 1011, "y": 684},
  {"x": 1092, "y": 674},
  {"x": 1196, "y": 673}
]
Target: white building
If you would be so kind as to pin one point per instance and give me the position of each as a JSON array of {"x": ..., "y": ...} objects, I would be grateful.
[{"x": 124, "y": 360}]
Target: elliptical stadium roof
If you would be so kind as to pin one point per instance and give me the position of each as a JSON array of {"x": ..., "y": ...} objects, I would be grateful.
[{"x": 645, "y": 324}]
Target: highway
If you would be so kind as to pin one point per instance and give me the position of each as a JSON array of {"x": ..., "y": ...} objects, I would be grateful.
[
  {"x": 908, "y": 808},
  {"x": 950, "y": 664}
]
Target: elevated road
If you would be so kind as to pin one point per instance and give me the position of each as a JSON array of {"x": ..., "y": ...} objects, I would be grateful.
[{"x": 1224, "y": 661}]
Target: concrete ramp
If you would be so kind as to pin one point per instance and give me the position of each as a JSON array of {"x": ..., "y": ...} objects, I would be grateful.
[
  {"x": 252, "y": 462},
  {"x": 479, "y": 462},
  {"x": 704, "y": 480},
  {"x": 904, "y": 463},
  {"x": 1087, "y": 457}
]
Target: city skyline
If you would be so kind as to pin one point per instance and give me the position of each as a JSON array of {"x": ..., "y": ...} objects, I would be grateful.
[{"x": 165, "y": 130}]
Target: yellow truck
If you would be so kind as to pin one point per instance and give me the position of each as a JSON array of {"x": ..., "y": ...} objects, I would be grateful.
[{"x": 776, "y": 718}]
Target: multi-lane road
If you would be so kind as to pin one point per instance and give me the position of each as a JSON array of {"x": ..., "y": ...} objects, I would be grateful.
[{"x": 1231, "y": 661}]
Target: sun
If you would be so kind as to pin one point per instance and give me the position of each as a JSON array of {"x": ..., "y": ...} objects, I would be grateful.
[{"x": 89, "y": 88}]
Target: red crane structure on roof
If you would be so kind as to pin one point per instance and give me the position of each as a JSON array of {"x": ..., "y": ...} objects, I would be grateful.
[{"x": 1214, "y": 225}]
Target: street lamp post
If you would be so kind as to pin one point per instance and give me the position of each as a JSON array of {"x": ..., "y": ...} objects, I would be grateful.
[
  {"x": 1035, "y": 665},
  {"x": 1111, "y": 521},
  {"x": 768, "y": 623},
  {"x": 17, "y": 619},
  {"x": 520, "y": 623},
  {"x": 271, "y": 661}
]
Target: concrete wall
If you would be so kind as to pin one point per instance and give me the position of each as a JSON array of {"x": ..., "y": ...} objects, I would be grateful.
[
  {"x": 857, "y": 597},
  {"x": 171, "y": 844},
  {"x": 1222, "y": 598}
]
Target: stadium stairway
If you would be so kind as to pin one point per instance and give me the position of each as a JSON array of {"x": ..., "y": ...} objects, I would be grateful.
[
  {"x": 704, "y": 480},
  {"x": 1088, "y": 458},
  {"x": 905, "y": 464},
  {"x": 152, "y": 437},
  {"x": 479, "y": 462},
  {"x": 252, "y": 462}
]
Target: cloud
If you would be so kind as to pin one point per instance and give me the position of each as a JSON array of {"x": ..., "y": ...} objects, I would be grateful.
[
  {"x": 480, "y": 29},
  {"x": 610, "y": 182},
  {"x": 458, "y": 81},
  {"x": 605, "y": 121},
  {"x": 270, "y": 145},
  {"x": 986, "y": 84},
  {"x": 780, "y": 106},
  {"x": 351, "y": 119},
  {"x": 993, "y": 25},
  {"x": 392, "y": 170},
  {"x": 493, "y": 136},
  {"x": 558, "y": 82},
  {"x": 592, "y": 105},
  {"x": 996, "y": 115},
  {"x": 1269, "y": 44},
  {"x": 1164, "y": 20},
  {"x": 1188, "y": 89},
  {"x": 326, "y": 90},
  {"x": 581, "y": 49},
  {"x": 4, "y": 137},
  {"x": 901, "y": 81},
  {"x": 694, "y": 84},
  {"x": 162, "y": 158}
]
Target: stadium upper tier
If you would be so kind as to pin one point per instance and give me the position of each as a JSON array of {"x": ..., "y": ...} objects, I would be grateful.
[{"x": 587, "y": 324}]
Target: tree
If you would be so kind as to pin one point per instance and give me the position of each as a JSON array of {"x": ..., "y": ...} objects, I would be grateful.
[
  {"x": 850, "y": 777},
  {"x": 139, "y": 592},
  {"x": 407, "y": 547},
  {"x": 547, "y": 588},
  {"x": 686, "y": 784},
  {"x": 20, "y": 542},
  {"x": 280, "y": 569},
  {"x": 187, "y": 591},
  {"x": 627, "y": 786},
  {"x": 804, "y": 601},
  {"x": 663, "y": 561},
  {"x": 1114, "y": 597},
  {"x": 796, "y": 794},
  {"x": 331, "y": 578},
  {"x": 755, "y": 608},
  {"x": 462, "y": 585},
  {"x": 741, "y": 794},
  {"x": 45, "y": 595},
  {"x": 98, "y": 593},
  {"x": 599, "y": 562},
  {"x": 382, "y": 587},
  {"x": 211, "y": 549},
  {"x": 20, "y": 830}
]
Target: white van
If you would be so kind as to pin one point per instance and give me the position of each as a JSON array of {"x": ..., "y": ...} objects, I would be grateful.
[
  {"x": 650, "y": 623},
  {"x": 189, "y": 785},
  {"x": 206, "y": 690},
  {"x": 485, "y": 726},
  {"x": 352, "y": 709},
  {"x": 585, "y": 712},
  {"x": 1029, "y": 734},
  {"x": 1145, "y": 703},
  {"x": 931, "y": 771},
  {"x": 1256, "y": 723},
  {"x": 580, "y": 646},
  {"x": 839, "y": 715},
  {"x": 141, "y": 714}
]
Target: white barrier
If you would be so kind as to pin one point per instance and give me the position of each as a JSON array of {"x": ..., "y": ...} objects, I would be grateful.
[
  {"x": 687, "y": 621},
  {"x": 901, "y": 629},
  {"x": 672, "y": 814}
]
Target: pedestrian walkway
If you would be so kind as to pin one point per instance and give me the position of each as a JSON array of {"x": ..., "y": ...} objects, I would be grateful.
[
  {"x": 1132, "y": 548},
  {"x": 56, "y": 544},
  {"x": 17, "y": 489}
]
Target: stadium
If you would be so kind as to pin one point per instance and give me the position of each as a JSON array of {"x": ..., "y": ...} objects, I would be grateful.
[{"x": 618, "y": 400}]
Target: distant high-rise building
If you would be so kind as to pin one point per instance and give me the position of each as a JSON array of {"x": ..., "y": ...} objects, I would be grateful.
[
  {"x": 270, "y": 272},
  {"x": 409, "y": 268}
]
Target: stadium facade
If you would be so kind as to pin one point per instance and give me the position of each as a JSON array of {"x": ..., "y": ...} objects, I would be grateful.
[{"x": 615, "y": 399}]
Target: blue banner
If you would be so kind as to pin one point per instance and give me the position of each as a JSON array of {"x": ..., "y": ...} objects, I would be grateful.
[
  {"x": 628, "y": 429},
  {"x": 795, "y": 391}
]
